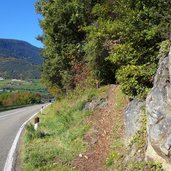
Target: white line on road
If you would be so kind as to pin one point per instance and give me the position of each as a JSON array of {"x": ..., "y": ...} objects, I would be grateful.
[
  {"x": 10, "y": 157},
  {"x": 11, "y": 114}
]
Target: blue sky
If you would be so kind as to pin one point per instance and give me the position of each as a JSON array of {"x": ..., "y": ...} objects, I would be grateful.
[{"x": 18, "y": 20}]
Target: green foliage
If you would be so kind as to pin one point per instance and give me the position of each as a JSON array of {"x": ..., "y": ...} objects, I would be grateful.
[
  {"x": 97, "y": 49},
  {"x": 155, "y": 166},
  {"x": 164, "y": 48},
  {"x": 140, "y": 137},
  {"x": 19, "y": 98},
  {"x": 136, "y": 50},
  {"x": 126, "y": 33},
  {"x": 141, "y": 166},
  {"x": 63, "y": 39},
  {"x": 102, "y": 40},
  {"x": 136, "y": 79},
  {"x": 31, "y": 134}
]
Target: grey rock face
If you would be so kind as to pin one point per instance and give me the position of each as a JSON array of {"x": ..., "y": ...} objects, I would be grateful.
[
  {"x": 96, "y": 103},
  {"x": 158, "y": 109},
  {"x": 132, "y": 118}
]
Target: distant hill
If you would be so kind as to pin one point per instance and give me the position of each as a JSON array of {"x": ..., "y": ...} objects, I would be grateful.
[{"x": 19, "y": 59}]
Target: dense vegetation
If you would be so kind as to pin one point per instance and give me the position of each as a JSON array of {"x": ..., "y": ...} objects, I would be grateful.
[
  {"x": 60, "y": 137},
  {"x": 19, "y": 59},
  {"x": 110, "y": 41},
  {"x": 19, "y": 98}
]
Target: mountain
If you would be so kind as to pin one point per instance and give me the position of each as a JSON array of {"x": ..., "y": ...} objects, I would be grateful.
[{"x": 19, "y": 59}]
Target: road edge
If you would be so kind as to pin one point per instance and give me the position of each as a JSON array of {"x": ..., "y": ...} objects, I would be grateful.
[{"x": 9, "y": 161}]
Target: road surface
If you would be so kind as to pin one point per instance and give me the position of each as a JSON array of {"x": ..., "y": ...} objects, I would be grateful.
[{"x": 10, "y": 122}]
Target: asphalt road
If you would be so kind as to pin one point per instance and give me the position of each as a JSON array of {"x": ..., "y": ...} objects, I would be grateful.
[{"x": 10, "y": 122}]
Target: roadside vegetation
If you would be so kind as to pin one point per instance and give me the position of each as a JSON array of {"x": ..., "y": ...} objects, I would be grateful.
[
  {"x": 18, "y": 99},
  {"x": 60, "y": 136},
  {"x": 61, "y": 143}
]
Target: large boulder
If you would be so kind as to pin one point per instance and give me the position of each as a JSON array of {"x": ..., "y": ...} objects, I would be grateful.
[
  {"x": 132, "y": 117},
  {"x": 158, "y": 109}
]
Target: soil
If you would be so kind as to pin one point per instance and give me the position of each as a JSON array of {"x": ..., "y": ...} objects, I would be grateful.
[{"x": 99, "y": 138}]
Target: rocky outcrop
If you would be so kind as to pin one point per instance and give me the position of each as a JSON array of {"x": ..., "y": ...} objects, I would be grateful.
[
  {"x": 158, "y": 109},
  {"x": 132, "y": 116},
  {"x": 96, "y": 103}
]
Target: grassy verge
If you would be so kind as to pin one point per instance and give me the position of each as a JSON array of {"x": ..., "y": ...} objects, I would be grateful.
[{"x": 59, "y": 138}]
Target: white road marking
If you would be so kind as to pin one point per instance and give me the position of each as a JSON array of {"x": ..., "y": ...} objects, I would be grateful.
[
  {"x": 11, "y": 114},
  {"x": 10, "y": 157}
]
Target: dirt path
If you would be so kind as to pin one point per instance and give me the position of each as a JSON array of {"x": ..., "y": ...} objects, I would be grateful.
[{"x": 102, "y": 122}]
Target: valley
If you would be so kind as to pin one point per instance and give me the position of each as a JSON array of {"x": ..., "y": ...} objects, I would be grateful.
[{"x": 18, "y": 93}]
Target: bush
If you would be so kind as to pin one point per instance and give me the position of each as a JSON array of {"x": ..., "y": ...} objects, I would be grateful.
[
  {"x": 135, "y": 79},
  {"x": 20, "y": 98}
]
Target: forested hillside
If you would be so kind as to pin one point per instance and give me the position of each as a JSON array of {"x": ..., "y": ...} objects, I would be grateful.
[
  {"x": 19, "y": 59},
  {"x": 109, "y": 41},
  {"x": 20, "y": 50}
]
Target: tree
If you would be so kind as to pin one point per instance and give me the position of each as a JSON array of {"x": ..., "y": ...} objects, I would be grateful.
[
  {"x": 102, "y": 33},
  {"x": 139, "y": 44},
  {"x": 63, "y": 39},
  {"x": 125, "y": 36},
  {"x": 114, "y": 41}
]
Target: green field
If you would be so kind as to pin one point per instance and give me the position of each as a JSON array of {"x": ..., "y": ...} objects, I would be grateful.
[{"x": 13, "y": 85}]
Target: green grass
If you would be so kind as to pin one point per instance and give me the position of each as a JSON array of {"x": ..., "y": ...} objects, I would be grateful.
[{"x": 59, "y": 138}]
